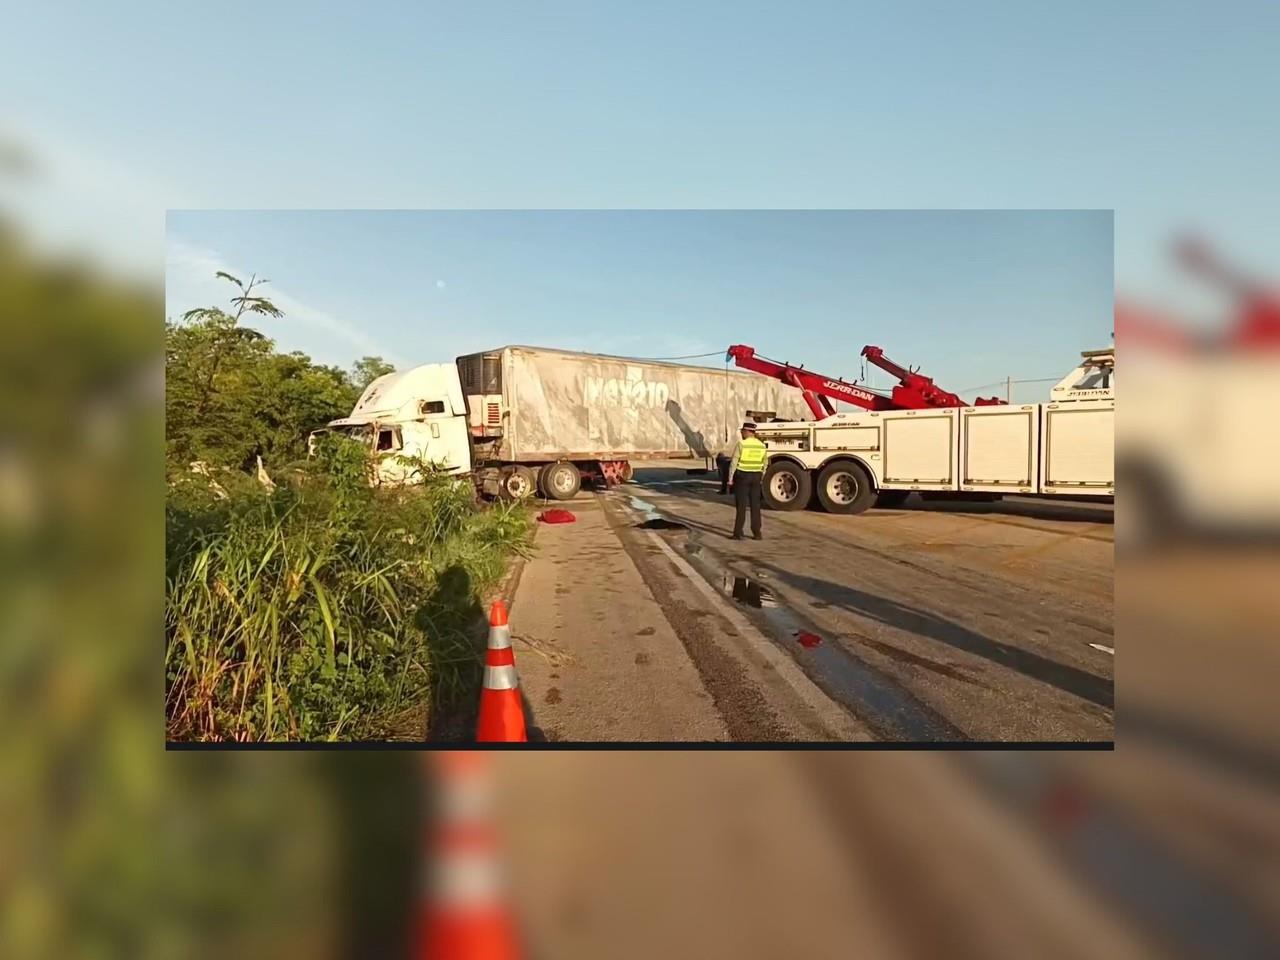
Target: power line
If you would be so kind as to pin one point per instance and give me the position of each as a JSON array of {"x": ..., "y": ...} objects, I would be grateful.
[
  {"x": 1001, "y": 383},
  {"x": 689, "y": 356},
  {"x": 983, "y": 386}
]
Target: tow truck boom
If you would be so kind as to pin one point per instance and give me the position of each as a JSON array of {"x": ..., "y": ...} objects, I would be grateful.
[
  {"x": 913, "y": 392},
  {"x": 815, "y": 387}
]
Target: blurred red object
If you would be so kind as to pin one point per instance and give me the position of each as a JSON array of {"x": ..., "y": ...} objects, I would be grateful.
[
  {"x": 1255, "y": 325},
  {"x": 556, "y": 516}
]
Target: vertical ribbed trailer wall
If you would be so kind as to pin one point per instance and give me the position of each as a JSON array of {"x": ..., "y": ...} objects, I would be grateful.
[{"x": 558, "y": 405}]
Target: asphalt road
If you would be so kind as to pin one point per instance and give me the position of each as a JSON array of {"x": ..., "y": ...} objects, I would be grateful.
[
  {"x": 1167, "y": 847},
  {"x": 643, "y": 621},
  {"x": 932, "y": 622}
]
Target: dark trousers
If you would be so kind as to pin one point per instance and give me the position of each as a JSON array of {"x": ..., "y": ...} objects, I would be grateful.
[
  {"x": 722, "y": 465},
  {"x": 746, "y": 493}
]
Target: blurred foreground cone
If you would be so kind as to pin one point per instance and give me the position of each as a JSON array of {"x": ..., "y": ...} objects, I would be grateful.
[
  {"x": 465, "y": 916},
  {"x": 501, "y": 714}
]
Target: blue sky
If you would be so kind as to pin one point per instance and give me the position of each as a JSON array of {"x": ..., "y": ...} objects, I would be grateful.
[
  {"x": 1159, "y": 110},
  {"x": 970, "y": 296}
]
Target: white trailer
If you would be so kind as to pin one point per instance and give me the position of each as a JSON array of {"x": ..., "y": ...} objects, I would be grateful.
[
  {"x": 849, "y": 460},
  {"x": 522, "y": 419}
]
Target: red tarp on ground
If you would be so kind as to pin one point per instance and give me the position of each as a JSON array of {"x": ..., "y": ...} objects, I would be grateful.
[
  {"x": 556, "y": 516},
  {"x": 808, "y": 639}
]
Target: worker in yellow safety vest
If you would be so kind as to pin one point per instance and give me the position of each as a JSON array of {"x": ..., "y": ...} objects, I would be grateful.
[{"x": 746, "y": 472}]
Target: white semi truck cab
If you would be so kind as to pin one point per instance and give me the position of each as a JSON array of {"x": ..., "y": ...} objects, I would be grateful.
[{"x": 417, "y": 413}]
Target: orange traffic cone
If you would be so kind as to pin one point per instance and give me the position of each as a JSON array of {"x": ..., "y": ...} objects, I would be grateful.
[
  {"x": 501, "y": 714},
  {"x": 465, "y": 915}
]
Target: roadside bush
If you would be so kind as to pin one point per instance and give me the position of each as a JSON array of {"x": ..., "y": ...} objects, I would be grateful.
[{"x": 325, "y": 609}]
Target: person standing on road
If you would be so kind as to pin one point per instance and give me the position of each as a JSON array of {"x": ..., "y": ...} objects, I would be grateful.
[
  {"x": 722, "y": 466},
  {"x": 746, "y": 471}
]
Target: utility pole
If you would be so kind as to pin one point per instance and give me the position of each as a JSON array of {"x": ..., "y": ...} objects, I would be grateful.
[{"x": 1008, "y": 389}]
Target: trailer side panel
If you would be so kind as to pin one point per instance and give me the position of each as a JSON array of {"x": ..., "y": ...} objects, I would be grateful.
[{"x": 574, "y": 406}]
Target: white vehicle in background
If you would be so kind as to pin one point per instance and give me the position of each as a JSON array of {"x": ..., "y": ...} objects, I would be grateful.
[
  {"x": 1199, "y": 454},
  {"x": 1064, "y": 447}
]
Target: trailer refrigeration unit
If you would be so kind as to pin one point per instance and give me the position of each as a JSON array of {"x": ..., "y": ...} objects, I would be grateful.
[
  {"x": 527, "y": 419},
  {"x": 922, "y": 438}
]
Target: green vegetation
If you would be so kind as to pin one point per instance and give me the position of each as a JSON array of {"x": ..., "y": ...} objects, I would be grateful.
[
  {"x": 230, "y": 397},
  {"x": 316, "y": 606}
]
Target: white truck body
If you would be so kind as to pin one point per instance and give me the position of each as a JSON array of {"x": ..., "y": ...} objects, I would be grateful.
[
  {"x": 1197, "y": 446},
  {"x": 506, "y": 415},
  {"x": 1063, "y": 447}
]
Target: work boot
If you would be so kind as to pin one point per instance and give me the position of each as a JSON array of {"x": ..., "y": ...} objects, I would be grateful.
[
  {"x": 736, "y": 536},
  {"x": 757, "y": 536}
]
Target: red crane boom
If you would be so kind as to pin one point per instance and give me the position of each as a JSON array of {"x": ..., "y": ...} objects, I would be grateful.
[
  {"x": 913, "y": 392},
  {"x": 815, "y": 387}
]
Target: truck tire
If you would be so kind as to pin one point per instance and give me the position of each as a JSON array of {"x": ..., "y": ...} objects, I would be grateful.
[
  {"x": 560, "y": 481},
  {"x": 516, "y": 483},
  {"x": 844, "y": 487},
  {"x": 787, "y": 486},
  {"x": 892, "y": 498}
]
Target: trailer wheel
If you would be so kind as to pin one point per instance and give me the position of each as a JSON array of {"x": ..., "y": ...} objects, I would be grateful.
[
  {"x": 844, "y": 487},
  {"x": 516, "y": 483},
  {"x": 787, "y": 486},
  {"x": 560, "y": 481}
]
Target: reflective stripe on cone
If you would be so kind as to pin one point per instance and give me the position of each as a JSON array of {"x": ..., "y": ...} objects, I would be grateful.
[
  {"x": 465, "y": 915},
  {"x": 501, "y": 710}
]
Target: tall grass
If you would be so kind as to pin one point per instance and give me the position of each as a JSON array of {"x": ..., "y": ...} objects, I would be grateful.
[{"x": 326, "y": 609}]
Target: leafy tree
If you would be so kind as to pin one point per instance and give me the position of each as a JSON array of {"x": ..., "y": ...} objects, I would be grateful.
[
  {"x": 368, "y": 369},
  {"x": 229, "y": 396}
]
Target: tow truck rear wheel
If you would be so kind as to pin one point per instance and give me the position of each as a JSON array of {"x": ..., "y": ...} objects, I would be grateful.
[
  {"x": 560, "y": 481},
  {"x": 844, "y": 487},
  {"x": 786, "y": 486},
  {"x": 516, "y": 483}
]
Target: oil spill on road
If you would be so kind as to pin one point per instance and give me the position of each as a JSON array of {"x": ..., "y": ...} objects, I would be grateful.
[
  {"x": 658, "y": 523},
  {"x": 869, "y": 694},
  {"x": 652, "y": 519},
  {"x": 748, "y": 591}
]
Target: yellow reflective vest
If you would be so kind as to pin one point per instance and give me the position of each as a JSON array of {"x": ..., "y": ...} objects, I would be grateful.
[{"x": 750, "y": 456}]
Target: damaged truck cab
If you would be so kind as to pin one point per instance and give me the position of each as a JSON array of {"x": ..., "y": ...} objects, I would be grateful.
[{"x": 414, "y": 414}]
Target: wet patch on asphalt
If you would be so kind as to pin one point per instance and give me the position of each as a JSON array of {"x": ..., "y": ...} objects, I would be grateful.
[
  {"x": 659, "y": 523},
  {"x": 873, "y": 697},
  {"x": 747, "y": 715},
  {"x": 870, "y": 695}
]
